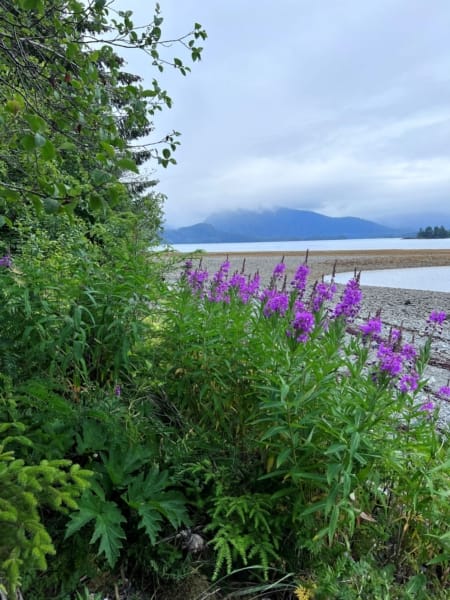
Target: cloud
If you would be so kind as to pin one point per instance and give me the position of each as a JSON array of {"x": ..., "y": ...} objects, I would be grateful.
[{"x": 340, "y": 108}]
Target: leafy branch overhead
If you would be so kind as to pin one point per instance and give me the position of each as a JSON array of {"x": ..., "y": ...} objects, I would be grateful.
[{"x": 69, "y": 111}]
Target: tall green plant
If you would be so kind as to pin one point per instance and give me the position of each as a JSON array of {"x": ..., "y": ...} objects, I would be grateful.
[{"x": 324, "y": 425}]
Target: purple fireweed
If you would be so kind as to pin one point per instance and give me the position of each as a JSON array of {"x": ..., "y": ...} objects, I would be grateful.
[
  {"x": 322, "y": 292},
  {"x": 222, "y": 272},
  {"x": 427, "y": 407},
  {"x": 250, "y": 289},
  {"x": 253, "y": 284},
  {"x": 244, "y": 287},
  {"x": 219, "y": 292},
  {"x": 275, "y": 302},
  {"x": 408, "y": 352},
  {"x": 395, "y": 336},
  {"x": 6, "y": 261},
  {"x": 302, "y": 325},
  {"x": 301, "y": 278},
  {"x": 279, "y": 270},
  {"x": 238, "y": 281},
  {"x": 444, "y": 392},
  {"x": 117, "y": 391},
  {"x": 197, "y": 279},
  {"x": 408, "y": 382},
  {"x": 372, "y": 328},
  {"x": 437, "y": 317},
  {"x": 350, "y": 300},
  {"x": 389, "y": 362}
]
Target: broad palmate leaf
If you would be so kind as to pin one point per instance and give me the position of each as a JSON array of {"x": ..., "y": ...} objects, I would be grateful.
[
  {"x": 107, "y": 524},
  {"x": 147, "y": 495}
]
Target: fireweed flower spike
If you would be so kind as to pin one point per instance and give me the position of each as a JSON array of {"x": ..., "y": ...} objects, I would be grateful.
[
  {"x": 279, "y": 270},
  {"x": 245, "y": 287},
  {"x": 350, "y": 301},
  {"x": 389, "y": 362},
  {"x": 444, "y": 392},
  {"x": 409, "y": 353},
  {"x": 427, "y": 407},
  {"x": 437, "y": 318},
  {"x": 222, "y": 272},
  {"x": 322, "y": 292},
  {"x": 302, "y": 325},
  {"x": 372, "y": 328},
  {"x": 300, "y": 278},
  {"x": 435, "y": 322},
  {"x": 197, "y": 279},
  {"x": 220, "y": 284},
  {"x": 253, "y": 284},
  {"x": 275, "y": 302},
  {"x": 408, "y": 382}
]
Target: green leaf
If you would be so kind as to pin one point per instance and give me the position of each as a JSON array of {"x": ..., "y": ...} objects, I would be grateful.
[
  {"x": 48, "y": 150},
  {"x": 27, "y": 142},
  {"x": 147, "y": 495},
  {"x": 108, "y": 148},
  {"x": 100, "y": 177},
  {"x": 4, "y": 220},
  {"x": 95, "y": 202},
  {"x": 39, "y": 140},
  {"x": 150, "y": 521},
  {"x": 107, "y": 524},
  {"x": 121, "y": 463},
  {"x": 127, "y": 164},
  {"x": 51, "y": 206},
  {"x": 37, "y": 202},
  {"x": 31, "y": 4},
  {"x": 109, "y": 531},
  {"x": 67, "y": 146},
  {"x": 35, "y": 122}
]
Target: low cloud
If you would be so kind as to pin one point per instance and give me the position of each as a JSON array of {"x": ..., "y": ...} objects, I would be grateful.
[{"x": 342, "y": 109}]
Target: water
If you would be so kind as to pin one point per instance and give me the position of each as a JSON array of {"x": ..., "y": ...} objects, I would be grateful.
[
  {"x": 431, "y": 279},
  {"x": 330, "y": 245}
]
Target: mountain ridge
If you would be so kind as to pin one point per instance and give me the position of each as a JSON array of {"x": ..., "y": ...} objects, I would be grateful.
[{"x": 282, "y": 224}]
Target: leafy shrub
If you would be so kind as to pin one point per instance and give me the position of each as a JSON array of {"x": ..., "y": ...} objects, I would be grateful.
[{"x": 66, "y": 313}]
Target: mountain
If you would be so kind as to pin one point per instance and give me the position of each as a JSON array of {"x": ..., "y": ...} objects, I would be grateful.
[
  {"x": 202, "y": 233},
  {"x": 276, "y": 225}
]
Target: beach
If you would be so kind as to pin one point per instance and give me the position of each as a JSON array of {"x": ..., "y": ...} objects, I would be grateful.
[{"x": 400, "y": 308}]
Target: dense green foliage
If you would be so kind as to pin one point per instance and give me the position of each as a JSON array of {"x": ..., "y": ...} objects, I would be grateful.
[
  {"x": 69, "y": 112},
  {"x": 433, "y": 232},
  {"x": 320, "y": 451},
  {"x": 165, "y": 436}
]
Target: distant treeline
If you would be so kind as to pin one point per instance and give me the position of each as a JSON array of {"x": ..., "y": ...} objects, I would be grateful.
[{"x": 434, "y": 232}]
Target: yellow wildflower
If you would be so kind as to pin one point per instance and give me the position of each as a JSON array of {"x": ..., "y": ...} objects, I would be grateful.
[{"x": 302, "y": 593}]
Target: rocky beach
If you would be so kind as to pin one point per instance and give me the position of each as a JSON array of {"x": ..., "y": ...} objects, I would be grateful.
[{"x": 402, "y": 308}]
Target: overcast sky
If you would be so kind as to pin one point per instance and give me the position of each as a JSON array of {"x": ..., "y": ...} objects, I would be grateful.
[{"x": 336, "y": 106}]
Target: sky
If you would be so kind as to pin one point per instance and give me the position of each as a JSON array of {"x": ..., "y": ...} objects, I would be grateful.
[{"x": 337, "y": 106}]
